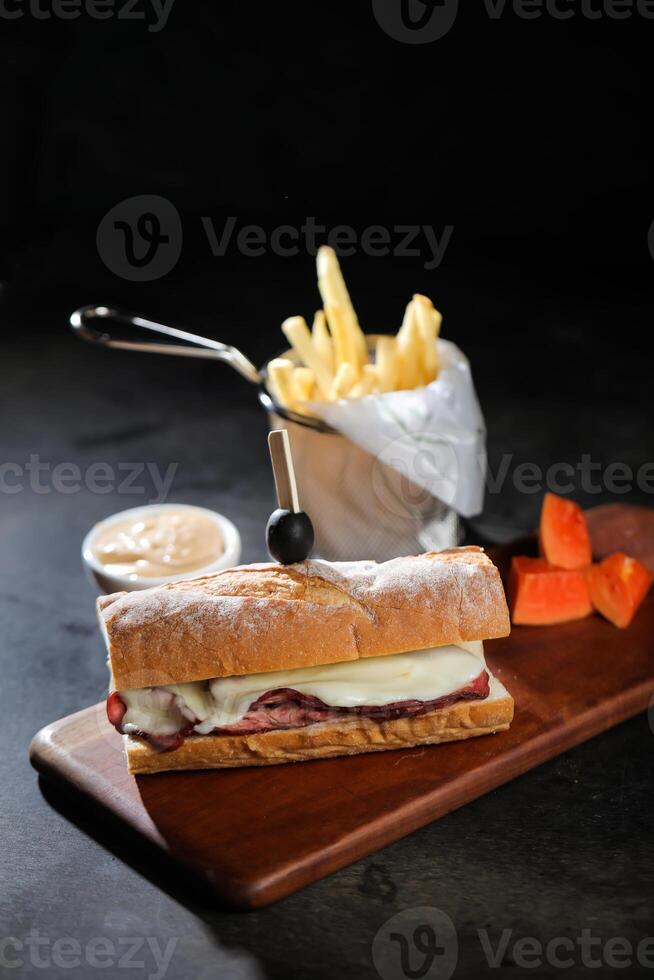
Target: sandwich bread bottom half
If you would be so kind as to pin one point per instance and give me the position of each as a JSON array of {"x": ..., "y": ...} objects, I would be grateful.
[{"x": 346, "y": 736}]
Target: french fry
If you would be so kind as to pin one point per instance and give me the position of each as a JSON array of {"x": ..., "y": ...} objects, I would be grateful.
[
  {"x": 304, "y": 383},
  {"x": 331, "y": 361},
  {"x": 408, "y": 319},
  {"x": 438, "y": 317},
  {"x": 343, "y": 382},
  {"x": 428, "y": 320},
  {"x": 409, "y": 351},
  {"x": 297, "y": 333},
  {"x": 386, "y": 363},
  {"x": 322, "y": 340},
  {"x": 345, "y": 350},
  {"x": 369, "y": 382},
  {"x": 334, "y": 293},
  {"x": 280, "y": 381}
]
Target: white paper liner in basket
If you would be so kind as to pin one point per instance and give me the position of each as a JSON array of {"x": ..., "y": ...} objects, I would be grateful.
[{"x": 404, "y": 465}]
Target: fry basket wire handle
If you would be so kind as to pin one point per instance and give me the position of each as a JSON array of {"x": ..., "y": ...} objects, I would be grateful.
[{"x": 82, "y": 323}]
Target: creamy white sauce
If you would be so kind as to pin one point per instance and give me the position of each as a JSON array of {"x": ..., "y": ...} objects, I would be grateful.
[
  {"x": 164, "y": 541},
  {"x": 423, "y": 675}
]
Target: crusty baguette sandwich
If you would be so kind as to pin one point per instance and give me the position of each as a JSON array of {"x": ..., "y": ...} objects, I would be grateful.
[{"x": 264, "y": 664}]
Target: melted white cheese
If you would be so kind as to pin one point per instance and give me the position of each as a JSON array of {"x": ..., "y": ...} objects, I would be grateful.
[{"x": 423, "y": 675}]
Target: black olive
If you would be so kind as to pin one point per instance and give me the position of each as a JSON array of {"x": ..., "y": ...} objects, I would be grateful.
[{"x": 289, "y": 536}]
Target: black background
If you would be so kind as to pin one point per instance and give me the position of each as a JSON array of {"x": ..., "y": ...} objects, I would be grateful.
[{"x": 532, "y": 138}]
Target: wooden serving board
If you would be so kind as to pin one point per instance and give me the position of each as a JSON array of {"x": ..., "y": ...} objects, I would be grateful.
[{"x": 259, "y": 834}]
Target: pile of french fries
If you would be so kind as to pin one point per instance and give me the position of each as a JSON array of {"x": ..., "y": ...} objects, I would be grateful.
[{"x": 335, "y": 356}]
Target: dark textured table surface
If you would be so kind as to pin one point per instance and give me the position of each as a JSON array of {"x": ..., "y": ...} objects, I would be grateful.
[{"x": 565, "y": 851}]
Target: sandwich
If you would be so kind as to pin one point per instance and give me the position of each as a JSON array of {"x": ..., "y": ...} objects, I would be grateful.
[{"x": 265, "y": 664}]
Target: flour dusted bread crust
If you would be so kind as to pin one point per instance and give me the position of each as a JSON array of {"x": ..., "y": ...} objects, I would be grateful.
[
  {"x": 349, "y": 736},
  {"x": 258, "y": 618}
]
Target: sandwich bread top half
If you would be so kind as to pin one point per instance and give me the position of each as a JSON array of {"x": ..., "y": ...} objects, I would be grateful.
[{"x": 258, "y": 618}]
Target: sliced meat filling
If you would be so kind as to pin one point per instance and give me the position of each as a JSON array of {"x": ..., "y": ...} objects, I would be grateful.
[{"x": 284, "y": 708}]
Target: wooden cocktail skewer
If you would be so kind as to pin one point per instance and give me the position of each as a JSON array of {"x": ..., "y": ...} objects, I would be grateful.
[{"x": 289, "y": 533}]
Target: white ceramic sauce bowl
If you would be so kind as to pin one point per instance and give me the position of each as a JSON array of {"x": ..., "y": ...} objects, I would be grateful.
[{"x": 109, "y": 581}]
